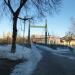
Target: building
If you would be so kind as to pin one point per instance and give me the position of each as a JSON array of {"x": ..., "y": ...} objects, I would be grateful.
[
  {"x": 41, "y": 39},
  {"x": 53, "y": 39},
  {"x": 38, "y": 38},
  {"x": 67, "y": 41}
]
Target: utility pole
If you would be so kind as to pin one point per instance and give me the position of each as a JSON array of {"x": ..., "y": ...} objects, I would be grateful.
[
  {"x": 25, "y": 19},
  {"x": 29, "y": 33},
  {"x": 46, "y": 32},
  {"x": 23, "y": 33}
]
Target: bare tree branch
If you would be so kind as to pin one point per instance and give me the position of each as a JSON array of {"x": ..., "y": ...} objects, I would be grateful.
[
  {"x": 22, "y": 2},
  {"x": 25, "y": 18},
  {"x": 9, "y": 5}
]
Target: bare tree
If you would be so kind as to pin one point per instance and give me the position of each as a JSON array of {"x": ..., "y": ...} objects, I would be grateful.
[
  {"x": 72, "y": 26},
  {"x": 68, "y": 37},
  {"x": 17, "y": 8}
]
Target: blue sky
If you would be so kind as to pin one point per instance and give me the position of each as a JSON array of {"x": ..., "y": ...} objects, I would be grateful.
[
  {"x": 60, "y": 23},
  {"x": 57, "y": 24}
]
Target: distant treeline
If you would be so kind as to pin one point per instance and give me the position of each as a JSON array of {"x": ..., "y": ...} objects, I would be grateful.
[{"x": 8, "y": 40}]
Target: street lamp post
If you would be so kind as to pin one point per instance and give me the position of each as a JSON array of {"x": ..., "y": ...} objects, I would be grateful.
[
  {"x": 29, "y": 33},
  {"x": 46, "y": 33}
]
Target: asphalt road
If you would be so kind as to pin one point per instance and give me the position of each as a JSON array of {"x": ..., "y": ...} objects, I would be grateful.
[{"x": 54, "y": 65}]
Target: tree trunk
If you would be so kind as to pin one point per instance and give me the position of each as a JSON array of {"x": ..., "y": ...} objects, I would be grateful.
[{"x": 14, "y": 34}]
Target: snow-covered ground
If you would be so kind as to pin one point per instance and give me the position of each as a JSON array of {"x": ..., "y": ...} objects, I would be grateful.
[
  {"x": 27, "y": 67},
  {"x": 5, "y": 52},
  {"x": 33, "y": 56},
  {"x": 64, "y": 52}
]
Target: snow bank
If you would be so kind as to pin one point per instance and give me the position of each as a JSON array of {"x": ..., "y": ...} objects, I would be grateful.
[
  {"x": 64, "y": 52},
  {"x": 5, "y": 52},
  {"x": 28, "y": 67},
  {"x": 58, "y": 50}
]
